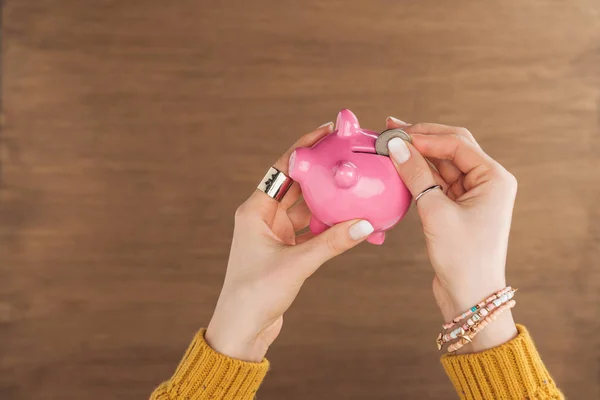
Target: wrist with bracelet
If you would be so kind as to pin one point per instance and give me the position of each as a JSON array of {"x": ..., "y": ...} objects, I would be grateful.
[{"x": 475, "y": 319}]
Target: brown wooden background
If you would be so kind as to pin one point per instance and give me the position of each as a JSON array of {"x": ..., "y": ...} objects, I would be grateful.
[{"x": 131, "y": 130}]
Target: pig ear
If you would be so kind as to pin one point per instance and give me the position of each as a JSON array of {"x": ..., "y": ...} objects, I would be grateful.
[{"x": 346, "y": 123}]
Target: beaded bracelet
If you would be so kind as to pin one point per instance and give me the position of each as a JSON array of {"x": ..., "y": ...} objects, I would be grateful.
[
  {"x": 478, "y": 314},
  {"x": 475, "y": 308},
  {"x": 460, "y": 331},
  {"x": 482, "y": 324},
  {"x": 469, "y": 326}
]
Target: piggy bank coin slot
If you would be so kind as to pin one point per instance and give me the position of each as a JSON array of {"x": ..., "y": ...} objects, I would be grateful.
[
  {"x": 369, "y": 152},
  {"x": 364, "y": 149}
]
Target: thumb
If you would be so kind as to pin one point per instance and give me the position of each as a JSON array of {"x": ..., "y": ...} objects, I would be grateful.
[
  {"x": 334, "y": 241},
  {"x": 415, "y": 172}
]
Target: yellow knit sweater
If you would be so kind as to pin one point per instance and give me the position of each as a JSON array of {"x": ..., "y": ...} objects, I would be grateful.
[{"x": 511, "y": 371}]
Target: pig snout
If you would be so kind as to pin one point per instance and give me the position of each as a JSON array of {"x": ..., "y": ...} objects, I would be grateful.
[{"x": 345, "y": 174}]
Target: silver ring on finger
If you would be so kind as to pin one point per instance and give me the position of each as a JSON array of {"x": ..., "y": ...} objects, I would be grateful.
[
  {"x": 275, "y": 184},
  {"x": 429, "y": 189}
]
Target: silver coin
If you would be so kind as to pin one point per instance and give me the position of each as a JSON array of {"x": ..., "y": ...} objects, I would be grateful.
[{"x": 384, "y": 137}]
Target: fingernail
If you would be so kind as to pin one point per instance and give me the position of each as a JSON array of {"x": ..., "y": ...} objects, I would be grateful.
[
  {"x": 325, "y": 124},
  {"x": 360, "y": 230},
  {"x": 397, "y": 121},
  {"x": 399, "y": 150}
]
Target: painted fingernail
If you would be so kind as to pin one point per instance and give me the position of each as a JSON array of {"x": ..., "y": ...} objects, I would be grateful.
[
  {"x": 399, "y": 150},
  {"x": 325, "y": 124},
  {"x": 360, "y": 230},
  {"x": 397, "y": 121}
]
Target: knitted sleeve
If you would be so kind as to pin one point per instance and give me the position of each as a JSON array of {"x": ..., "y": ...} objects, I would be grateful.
[
  {"x": 513, "y": 370},
  {"x": 205, "y": 374}
]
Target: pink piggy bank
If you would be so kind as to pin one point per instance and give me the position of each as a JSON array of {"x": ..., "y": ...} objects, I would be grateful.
[{"x": 343, "y": 178}]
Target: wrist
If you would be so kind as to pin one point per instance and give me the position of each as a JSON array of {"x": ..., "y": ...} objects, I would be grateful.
[
  {"x": 500, "y": 331},
  {"x": 466, "y": 296},
  {"x": 234, "y": 344}
]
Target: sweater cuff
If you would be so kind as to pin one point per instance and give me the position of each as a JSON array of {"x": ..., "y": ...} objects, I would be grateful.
[
  {"x": 513, "y": 370},
  {"x": 205, "y": 374}
]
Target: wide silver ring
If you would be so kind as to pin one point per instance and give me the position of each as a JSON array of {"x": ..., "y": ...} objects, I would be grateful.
[
  {"x": 429, "y": 189},
  {"x": 275, "y": 184}
]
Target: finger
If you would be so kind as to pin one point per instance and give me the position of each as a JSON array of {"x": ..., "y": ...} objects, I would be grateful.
[
  {"x": 393, "y": 122},
  {"x": 263, "y": 206},
  {"x": 334, "y": 241},
  {"x": 463, "y": 153},
  {"x": 282, "y": 228},
  {"x": 304, "y": 237},
  {"x": 457, "y": 189},
  {"x": 299, "y": 214},
  {"x": 291, "y": 197},
  {"x": 307, "y": 140},
  {"x": 414, "y": 172},
  {"x": 446, "y": 170},
  {"x": 428, "y": 128},
  {"x": 437, "y": 176}
]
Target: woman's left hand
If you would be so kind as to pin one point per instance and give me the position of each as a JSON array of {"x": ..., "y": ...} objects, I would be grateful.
[{"x": 269, "y": 263}]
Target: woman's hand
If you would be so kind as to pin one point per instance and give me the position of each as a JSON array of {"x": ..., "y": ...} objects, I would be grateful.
[
  {"x": 466, "y": 225},
  {"x": 269, "y": 263}
]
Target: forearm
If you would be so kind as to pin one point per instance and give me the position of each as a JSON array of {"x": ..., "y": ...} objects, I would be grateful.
[
  {"x": 513, "y": 370},
  {"x": 205, "y": 374}
]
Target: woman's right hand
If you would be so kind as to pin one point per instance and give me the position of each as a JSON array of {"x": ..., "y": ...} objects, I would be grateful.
[{"x": 466, "y": 225}]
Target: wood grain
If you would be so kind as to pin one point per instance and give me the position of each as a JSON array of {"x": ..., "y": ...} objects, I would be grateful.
[{"x": 131, "y": 130}]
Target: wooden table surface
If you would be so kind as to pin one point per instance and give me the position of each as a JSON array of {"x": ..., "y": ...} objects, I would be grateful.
[{"x": 131, "y": 130}]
